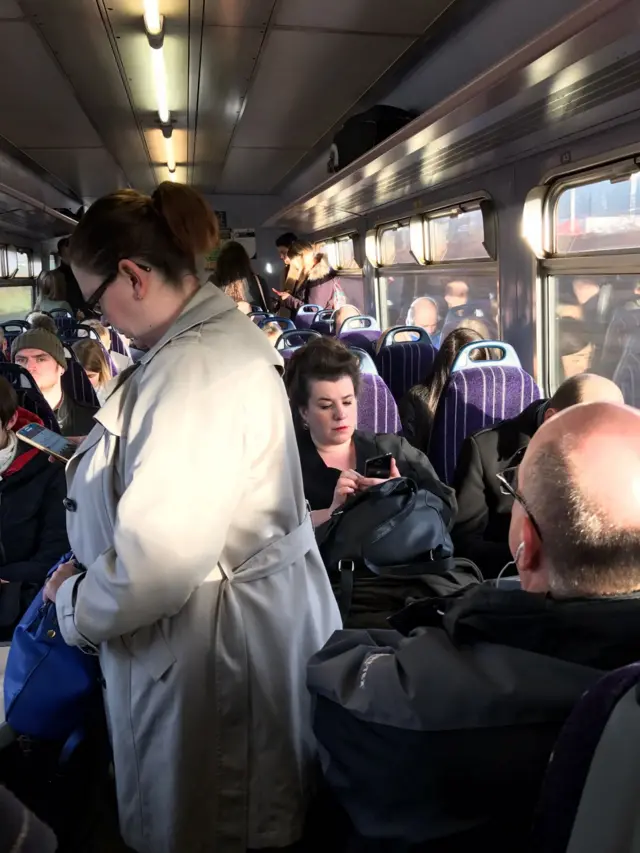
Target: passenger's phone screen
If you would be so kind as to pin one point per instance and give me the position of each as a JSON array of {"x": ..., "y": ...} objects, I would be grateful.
[
  {"x": 47, "y": 441},
  {"x": 378, "y": 467}
]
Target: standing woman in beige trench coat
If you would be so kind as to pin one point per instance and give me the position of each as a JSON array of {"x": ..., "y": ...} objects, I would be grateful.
[{"x": 204, "y": 592}]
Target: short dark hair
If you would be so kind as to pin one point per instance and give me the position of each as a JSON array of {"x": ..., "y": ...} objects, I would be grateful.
[
  {"x": 324, "y": 360},
  {"x": 286, "y": 239},
  {"x": 587, "y": 553},
  {"x": 8, "y": 401},
  {"x": 573, "y": 335},
  {"x": 62, "y": 244}
]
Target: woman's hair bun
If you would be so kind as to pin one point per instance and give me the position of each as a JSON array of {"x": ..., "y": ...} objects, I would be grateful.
[{"x": 193, "y": 224}]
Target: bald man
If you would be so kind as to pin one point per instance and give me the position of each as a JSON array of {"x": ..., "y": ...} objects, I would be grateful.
[
  {"x": 456, "y": 293},
  {"x": 424, "y": 313},
  {"x": 343, "y": 314},
  {"x": 484, "y": 507},
  {"x": 437, "y": 736}
]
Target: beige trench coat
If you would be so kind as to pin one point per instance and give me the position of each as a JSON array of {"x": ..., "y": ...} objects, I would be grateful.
[{"x": 204, "y": 592}]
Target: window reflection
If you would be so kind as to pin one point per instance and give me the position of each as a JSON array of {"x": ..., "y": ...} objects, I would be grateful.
[
  {"x": 598, "y": 216},
  {"x": 395, "y": 246},
  {"x": 456, "y": 238},
  {"x": 23, "y": 264}
]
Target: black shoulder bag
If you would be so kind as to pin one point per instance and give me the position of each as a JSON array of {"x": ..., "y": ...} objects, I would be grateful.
[{"x": 389, "y": 544}]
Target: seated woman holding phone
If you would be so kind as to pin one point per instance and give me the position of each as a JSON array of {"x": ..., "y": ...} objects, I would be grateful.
[{"x": 337, "y": 459}]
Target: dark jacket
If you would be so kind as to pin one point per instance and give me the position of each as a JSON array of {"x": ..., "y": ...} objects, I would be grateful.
[
  {"x": 73, "y": 292},
  {"x": 320, "y": 481},
  {"x": 74, "y": 418},
  {"x": 439, "y": 740},
  {"x": 481, "y": 530},
  {"x": 321, "y": 287},
  {"x": 20, "y": 830},
  {"x": 33, "y": 532},
  {"x": 417, "y": 419}
]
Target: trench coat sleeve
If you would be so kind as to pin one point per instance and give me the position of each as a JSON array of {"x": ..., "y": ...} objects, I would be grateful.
[
  {"x": 185, "y": 473},
  {"x": 52, "y": 533}
]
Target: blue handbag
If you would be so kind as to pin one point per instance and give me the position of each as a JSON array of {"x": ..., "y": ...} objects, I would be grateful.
[{"x": 48, "y": 686}]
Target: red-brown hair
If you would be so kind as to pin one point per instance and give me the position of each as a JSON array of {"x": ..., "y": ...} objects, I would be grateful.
[{"x": 167, "y": 231}]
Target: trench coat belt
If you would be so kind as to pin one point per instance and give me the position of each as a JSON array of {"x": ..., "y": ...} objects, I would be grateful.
[{"x": 276, "y": 556}]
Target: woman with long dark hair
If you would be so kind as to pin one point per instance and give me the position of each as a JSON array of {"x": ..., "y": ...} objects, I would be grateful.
[
  {"x": 235, "y": 276},
  {"x": 418, "y": 407}
]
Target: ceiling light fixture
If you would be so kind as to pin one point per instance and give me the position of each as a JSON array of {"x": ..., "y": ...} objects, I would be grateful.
[
  {"x": 171, "y": 156},
  {"x": 173, "y": 176},
  {"x": 153, "y": 22},
  {"x": 160, "y": 80}
]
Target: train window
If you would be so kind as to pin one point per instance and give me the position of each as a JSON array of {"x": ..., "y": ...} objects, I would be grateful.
[
  {"x": 598, "y": 216},
  {"x": 395, "y": 245},
  {"x": 451, "y": 300},
  {"x": 24, "y": 270},
  {"x": 346, "y": 255},
  {"x": 53, "y": 261},
  {"x": 15, "y": 302},
  {"x": 36, "y": 265},
  {"x": 456, "y": 237}
]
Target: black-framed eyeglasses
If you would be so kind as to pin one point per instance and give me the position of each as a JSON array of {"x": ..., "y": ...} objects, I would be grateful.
[
  {"x": 508, "y": 480},
  {"x": 93, "y": 302}
]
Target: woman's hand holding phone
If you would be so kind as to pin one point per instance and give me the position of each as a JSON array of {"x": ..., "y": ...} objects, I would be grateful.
[{"x": 368, "y": 482}]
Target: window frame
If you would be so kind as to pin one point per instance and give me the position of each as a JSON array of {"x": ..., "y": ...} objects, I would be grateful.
[{"x": 595, "y": 263}]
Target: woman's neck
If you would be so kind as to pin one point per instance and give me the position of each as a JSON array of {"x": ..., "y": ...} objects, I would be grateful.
[{"x": 169, "y": 306}]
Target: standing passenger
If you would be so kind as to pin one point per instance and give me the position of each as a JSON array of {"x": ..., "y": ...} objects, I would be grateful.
[
  {"x": 52, "y": 292},
  {"x": 235, "y": 276},
  {"x": 315, "y": 282},
  {"x": 204, "y": 591}
]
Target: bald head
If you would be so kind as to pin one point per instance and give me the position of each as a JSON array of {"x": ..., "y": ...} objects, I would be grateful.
[
  {"x": 456, "y": 293},
  {"x": 424, "y": 313},
  {"x": 584, "y": 388},
  {"x": 580, "y": 479},
  {"x": 343, "y": 314}
]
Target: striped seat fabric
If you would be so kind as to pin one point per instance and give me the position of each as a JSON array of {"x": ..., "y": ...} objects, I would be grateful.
[
  {"x": 377, "y": 410},
  {"x": 76, "y": 384},
  {"x": 476, "y": 398},
  {"x": 403, "y": 365},
  {"x": 362, "y": 338},
  {"x": 29, "y": 395}
]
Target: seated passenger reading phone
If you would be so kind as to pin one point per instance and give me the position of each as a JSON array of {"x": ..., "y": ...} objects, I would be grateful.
[{"x": 337, "y": 459}]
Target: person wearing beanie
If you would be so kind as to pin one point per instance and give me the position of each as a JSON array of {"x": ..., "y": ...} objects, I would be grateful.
[{"x": 42, "y": 354}]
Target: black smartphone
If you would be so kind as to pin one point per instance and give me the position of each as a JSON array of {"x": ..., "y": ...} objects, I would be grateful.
[
  {"x": 48, "y": 441},
  {"x": 378, "y": 467}
]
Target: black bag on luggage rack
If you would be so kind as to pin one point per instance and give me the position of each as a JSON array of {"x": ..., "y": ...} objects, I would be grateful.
[
  {"x": 387, "y": 546},
  {"x": 363, "y": 132}
]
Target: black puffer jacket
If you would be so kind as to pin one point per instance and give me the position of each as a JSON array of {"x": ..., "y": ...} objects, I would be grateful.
[{"x": 33, "y": 533}]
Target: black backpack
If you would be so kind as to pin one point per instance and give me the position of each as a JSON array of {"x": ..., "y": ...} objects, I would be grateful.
[
  {"x": 362, "y": 132},
  {"x": 387, "y": 546}
]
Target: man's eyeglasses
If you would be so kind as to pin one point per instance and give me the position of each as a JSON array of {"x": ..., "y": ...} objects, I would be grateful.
[
  {"x": 508, "y": 480},
  {"x": 93, "y": 302}
]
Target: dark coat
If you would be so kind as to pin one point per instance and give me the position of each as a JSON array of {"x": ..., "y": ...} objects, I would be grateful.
[
  {"x": 33, "y": 532},
  {"x": 74, "y": 418},
  {"x": 481, "y": 530},
  {"x": 21, "y": 831},
  {"x": 320, "y": 288},
  {"x": 73, "y": 292},
  {"x": 437, "y": 738},
  {"x": 320, "y": 481}
]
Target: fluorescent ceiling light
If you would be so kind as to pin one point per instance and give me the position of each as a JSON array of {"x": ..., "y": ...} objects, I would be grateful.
[
  {"x": 171, "y": 157},
  {"x": 152, "y": 17},
  {"x": 173, "y": 176},
  {"x": 160, "y": 80}
]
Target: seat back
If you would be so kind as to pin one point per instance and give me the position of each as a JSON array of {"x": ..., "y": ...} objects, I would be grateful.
[
  {"x": 408, "y": 334},
  {"x": 76, "y": 384},
  {"x": 258, "y": 316},
  {"x": 306, "y": 316},
  {"x": 29, "y": 395},
  {"x": 295, "y": 338},
  {"x": 285, "y": 325},
  {"x": 367, "y": 364},
  {"x": 589, "y": 798},
  {"x": 476, "y": 398},
  {"x": 404, "y": 365},
  {"x": 365, "y": 339},
  {"x": 117, "y": 344},
  {"x": 13, "y": 328},
  {"x": 323, "y": 322},
  {"x": 377, "y": 410},
  {"x": 65, "y": 321}
]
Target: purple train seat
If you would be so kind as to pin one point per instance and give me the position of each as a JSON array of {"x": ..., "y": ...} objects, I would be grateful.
[
  {"x": 29, "y": 395},
  {"x": 306, "y": 315},
  {"x": 589, "y": 797},
  {"x": 75, "y": 382},
  {"x": 377, "y": 410},
  {"x": 476, "y": 398},
  {"x": 404, "y": 365},
  {"x": 323, "y": 322}
]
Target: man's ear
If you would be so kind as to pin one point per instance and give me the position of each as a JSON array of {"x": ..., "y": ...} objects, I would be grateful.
[
  {"x": 549, "y": 414},
  {"x": 529, "y": 563}
]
